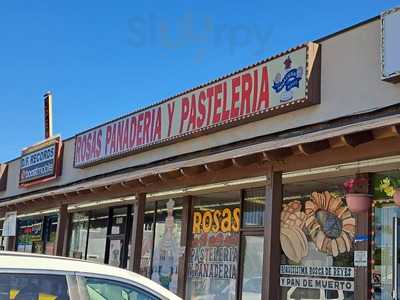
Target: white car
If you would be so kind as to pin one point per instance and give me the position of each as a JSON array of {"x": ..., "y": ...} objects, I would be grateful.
[{"x": 41, "y": 277}]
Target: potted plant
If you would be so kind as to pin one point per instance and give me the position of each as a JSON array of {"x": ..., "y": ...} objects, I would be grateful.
[
  {"x": 391, "y": 188},
  {"x": 357, "y": 200}
]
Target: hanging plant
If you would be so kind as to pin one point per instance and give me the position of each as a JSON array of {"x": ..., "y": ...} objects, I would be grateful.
[
  {"x": 357, "y": 200},
  {"x": 390, "y": 187}
]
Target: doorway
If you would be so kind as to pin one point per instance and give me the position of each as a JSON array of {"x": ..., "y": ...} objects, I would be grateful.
[
  {"x": 102, "y": 235},
  {"x": 118, "y": 234}
]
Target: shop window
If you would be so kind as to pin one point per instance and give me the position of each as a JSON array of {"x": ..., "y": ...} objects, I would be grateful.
[
  {"x": 161, "y": 242},
  {"x": 213, "y": 258},
  {"x": 97, "y": 235},
  {"x": 253, "y": 207},
  {"x": 167, "y": 238},
  {"x": 50, "y": 232},
  {"x": 80, "y": 225},
  {"x": 385, "y": 213},
  {"x": 102, "y": 235},
  {"x": 317, "y": 241},
  {"x": 29, "y": 235},
  {"x": 252, "y": 267},
  {"x": 37, "y": 234},
  {"x": 148, "y": 237},
  {"x": 252, "y": 243}
]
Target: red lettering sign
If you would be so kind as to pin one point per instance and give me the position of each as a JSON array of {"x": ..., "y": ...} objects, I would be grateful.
[{"x": 262, "y": 90}]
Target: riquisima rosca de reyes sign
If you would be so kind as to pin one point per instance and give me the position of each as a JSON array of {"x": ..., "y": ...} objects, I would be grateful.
[
  {"x": 41, "y": 162},
  {"x": 279, "y": 84}
]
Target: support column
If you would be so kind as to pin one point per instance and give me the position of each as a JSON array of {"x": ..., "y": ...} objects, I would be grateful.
[
  {"x": 362, "y": 281},
  {"x": 272, "y": 249},
  {"x": 62, "y": 230},
  {"x": 11, "y": 243},
  {"x": 186, "y": 235},
  {"x": 137, "y": 233},
  {"x": 67, "y": 237}
]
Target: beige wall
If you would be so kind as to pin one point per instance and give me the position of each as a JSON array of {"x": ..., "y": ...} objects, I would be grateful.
[{"x": 351, "y": 84}]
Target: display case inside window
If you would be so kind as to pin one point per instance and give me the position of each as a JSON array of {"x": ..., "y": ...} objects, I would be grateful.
[
  {"x": 317, "y": 241},
  {"x": 214, "y": 253}
]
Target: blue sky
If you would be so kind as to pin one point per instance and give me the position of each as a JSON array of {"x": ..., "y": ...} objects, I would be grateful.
[{"x": 102, "y": 59}]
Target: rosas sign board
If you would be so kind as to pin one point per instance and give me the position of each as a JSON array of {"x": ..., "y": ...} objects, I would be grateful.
[
  {"x": 40, "y": 163},
  {"x": 279, "y": 84}
]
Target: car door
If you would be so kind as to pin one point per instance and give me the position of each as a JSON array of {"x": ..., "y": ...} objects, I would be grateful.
[
  {"x": 36, "y": 285},
  {"x": 102, "y": 288}
]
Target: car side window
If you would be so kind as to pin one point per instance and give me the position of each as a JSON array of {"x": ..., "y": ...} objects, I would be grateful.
[
  {"x": 105, "y": 289},
  {"x": 27, "y": 286}
]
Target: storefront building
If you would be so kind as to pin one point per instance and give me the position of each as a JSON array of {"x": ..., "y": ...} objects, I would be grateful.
[{"x": 278, "y": 181}]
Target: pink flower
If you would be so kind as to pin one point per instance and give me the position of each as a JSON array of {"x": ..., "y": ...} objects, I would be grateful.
[{"x": 351, "y": 184}]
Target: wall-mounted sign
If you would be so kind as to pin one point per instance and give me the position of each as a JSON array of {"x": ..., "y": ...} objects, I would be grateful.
[
  {"x": 317, "y": 236},
  {"x": 321, "y": 271},
  {"x": 41, "y": 163},
  {"x": 326, "y": 221},
  {"x": 10, "y": 223},
  {"x": 390, "y": 45},
  {"x": 317, "y": 283},
  {"x": 279, "y": 84},
  {"x": 224, "y": 220},
  {"x": 360, "y": 258},
  {"x": 214, "y": 253}
]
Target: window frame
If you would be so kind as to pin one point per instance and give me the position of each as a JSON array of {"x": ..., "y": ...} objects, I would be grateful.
[
  {"x": 193, "y": 206},
  {"x": 156, "y": 211},
  {"x": 70, "y": 278},
  {"x": 81, "y": 278},
  {"x": 257, "y": 230},
  {"x": 249, "y": 228}
]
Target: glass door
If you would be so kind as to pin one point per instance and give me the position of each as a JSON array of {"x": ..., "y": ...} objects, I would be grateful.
[
  {"x": 118, "y": 233},
  {"x": 385, "y": 270}
]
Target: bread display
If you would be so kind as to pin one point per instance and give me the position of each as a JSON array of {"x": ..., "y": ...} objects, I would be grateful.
[{"x": 326, "y": 221}]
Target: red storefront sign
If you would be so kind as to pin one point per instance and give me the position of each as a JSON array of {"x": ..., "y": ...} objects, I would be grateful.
[{"x": 279, "y": 84}]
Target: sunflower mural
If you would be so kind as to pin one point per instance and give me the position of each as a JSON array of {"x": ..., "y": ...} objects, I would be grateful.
[{"x": 326, "y": 221}]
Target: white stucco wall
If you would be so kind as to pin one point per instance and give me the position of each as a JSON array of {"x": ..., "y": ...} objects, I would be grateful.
[{"x": 351, "y": 84}]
